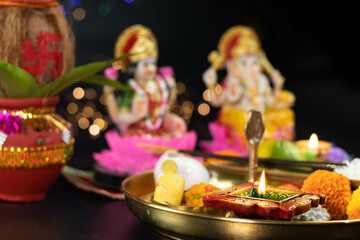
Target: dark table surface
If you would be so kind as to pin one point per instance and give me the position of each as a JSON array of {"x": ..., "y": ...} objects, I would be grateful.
[{"x": 70, "y": 213}]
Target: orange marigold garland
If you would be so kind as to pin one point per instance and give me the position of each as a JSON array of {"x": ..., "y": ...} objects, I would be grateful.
[
  {"x": 354, "y": 204},
  {"x": 335, "y": 186}
]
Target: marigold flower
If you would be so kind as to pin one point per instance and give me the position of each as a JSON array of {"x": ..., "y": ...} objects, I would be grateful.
[
  {"x": 335, "y": 186},
  {"x": 355, "y": 213},
  {"x": 354, "y": 202}
]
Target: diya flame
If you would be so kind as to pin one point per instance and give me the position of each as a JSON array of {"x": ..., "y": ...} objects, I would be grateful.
[
  {"x": 313, "y": 142},
  {"x": 262, "y": 185}
]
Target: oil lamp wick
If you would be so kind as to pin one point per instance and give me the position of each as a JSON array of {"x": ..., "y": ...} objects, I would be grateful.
[{"x": 254, "y": 131}]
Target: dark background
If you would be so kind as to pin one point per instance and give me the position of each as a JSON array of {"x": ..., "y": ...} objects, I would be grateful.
[{"x": 314, "y": 45}]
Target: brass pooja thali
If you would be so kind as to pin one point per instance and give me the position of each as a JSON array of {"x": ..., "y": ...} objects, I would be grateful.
[{"x": 180, "y": 222}]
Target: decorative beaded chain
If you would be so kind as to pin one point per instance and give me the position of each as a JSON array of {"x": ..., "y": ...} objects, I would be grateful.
[{"x": 35, "y": 157}]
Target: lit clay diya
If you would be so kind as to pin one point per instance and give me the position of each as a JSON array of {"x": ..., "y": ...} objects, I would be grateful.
[{"x": 276, "y": 203}]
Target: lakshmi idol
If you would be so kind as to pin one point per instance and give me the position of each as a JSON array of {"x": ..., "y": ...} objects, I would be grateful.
[
  {"x": 142, "y": 115},
  {"x": 251, "y": 83}
]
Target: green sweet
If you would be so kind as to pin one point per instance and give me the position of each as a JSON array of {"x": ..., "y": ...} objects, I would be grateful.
[
  {"x": 282, "y": 149},
  {"x": 287, "y": 150}
]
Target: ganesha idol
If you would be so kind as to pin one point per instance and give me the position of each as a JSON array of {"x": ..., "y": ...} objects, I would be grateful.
[
  {"x": 251, "y": 83},
  {"x": 142, "y": 115}
]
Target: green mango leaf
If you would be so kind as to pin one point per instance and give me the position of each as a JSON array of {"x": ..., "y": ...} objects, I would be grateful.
[
  {"x": 16, "y": 82},
  {"x": 76, "y": 75},
  {"x": 103, "y": 81},
  {"x": 46, "y": 89}
]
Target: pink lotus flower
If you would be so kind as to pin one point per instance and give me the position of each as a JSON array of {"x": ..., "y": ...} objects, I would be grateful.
[
  {"x": 224, "y": 138},
  {"x": 166, "y": 71},
  {"x": 126, "y": 157}
]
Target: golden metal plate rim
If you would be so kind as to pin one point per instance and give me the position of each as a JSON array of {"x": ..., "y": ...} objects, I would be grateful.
[{"x": 165, "y": 208}]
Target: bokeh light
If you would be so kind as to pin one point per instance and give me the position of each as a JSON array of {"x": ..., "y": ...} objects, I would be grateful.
[
  {"x": 129, "y": 1},
  {"x": 97, "y": 115},
  {"x": 187, "y": 116},
  {"x": 88, "y": 111},
  {"x": 79, "y": 115},
  {"x": 187, "y": 109},
  {"x": 103, "y": 99},
  {"x": 83, "y": 123},
  {"x": 187, "y": 106},
  {"x": 104, "y": 9},
  {"x": 206, "y": 95},
  {"x": 100, "y": 123},
  {"x": 79, "y": 14},
  {"x": 105, "y": 125},
  {"x": 78, "y": 93},
  {"x": 204, "y": 109},
  {"x": 72, "y": 108},
  {"x": 180, "y": 87},
  {"x": 94, "y": 130},
  {"x": 90, "y": 93}
]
